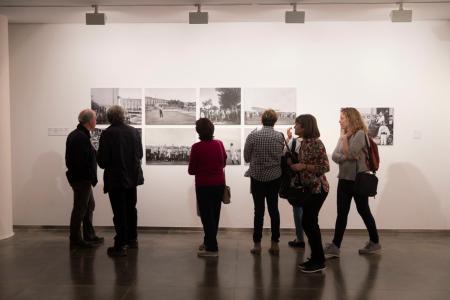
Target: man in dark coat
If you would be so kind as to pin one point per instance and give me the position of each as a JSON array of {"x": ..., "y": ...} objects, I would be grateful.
[
  {"x": 82, "y": 175},
  {"x": 120, "y": 154}
]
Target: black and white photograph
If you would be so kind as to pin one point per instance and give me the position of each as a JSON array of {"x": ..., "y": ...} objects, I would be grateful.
[
  {"x": 170, "y": 106},
  {"x": 380, "y": 124},
  {"x": 231, "y": 139},
  {"x": 281, "y": 100},
  {"x": 168, "y": 146},
  {"x": 221, "y": 105},
  {"x": 129, "y": 98},
  {"x": 95, "y": 137},
  {"x": 97, "y": 132}
]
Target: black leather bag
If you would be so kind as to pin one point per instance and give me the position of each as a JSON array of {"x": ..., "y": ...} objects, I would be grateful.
[
  {"x": 366, "y": 184},
  {"x": 290, "y": 187}
]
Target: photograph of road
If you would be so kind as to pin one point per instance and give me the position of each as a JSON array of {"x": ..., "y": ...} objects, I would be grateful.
[{"x": 170, "y": 106}]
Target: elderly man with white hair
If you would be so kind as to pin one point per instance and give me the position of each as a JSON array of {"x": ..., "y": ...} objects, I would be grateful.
[{"x": 82, "y": 175}]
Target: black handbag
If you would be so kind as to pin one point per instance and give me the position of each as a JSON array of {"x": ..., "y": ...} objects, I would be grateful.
[
  {"x": 366, "y": 183},
  {"x": 290, "y": 187}
]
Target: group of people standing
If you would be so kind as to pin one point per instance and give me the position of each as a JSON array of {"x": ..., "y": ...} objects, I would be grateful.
[
  {"x": 263, "y": 151},
  {"x": 120, "y": 154}
]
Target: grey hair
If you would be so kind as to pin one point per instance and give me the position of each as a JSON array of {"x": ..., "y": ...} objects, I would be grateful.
[
  {"x": 116, "y": 114},
  {"x": 86, "y": 115}
]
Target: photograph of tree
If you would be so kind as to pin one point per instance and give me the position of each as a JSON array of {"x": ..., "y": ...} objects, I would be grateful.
[
  {"x": 129, "y": 99},
  {"x": 170, "y": 106},
  {"x": 221, "y": 105},
  {"x": 282, "y": 100},
  {"x": 380, "y": 124}
]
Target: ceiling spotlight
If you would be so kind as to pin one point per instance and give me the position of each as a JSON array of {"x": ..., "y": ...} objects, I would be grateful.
[
  {"x": 401, "y": 15},
  {"x": 198, "y": 17},
  {"x": 294, "y": 16},
  {"x": 95, "y": 18}
]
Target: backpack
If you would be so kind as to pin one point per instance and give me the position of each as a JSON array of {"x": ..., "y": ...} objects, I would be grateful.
[{"x": 372, "y": 156}]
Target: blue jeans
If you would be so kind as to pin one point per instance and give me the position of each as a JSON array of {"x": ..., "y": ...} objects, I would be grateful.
[{"x": 298, "y": 215}]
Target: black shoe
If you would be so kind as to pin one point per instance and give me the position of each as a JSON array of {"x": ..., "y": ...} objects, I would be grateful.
[
  {"x": 96, "y": 240},
  {"x": 117, "y": 251},
  {"x": 312, "y": 267},
  {"x": 81, "y": 244},
  {"x": 133, "y": 244},
  {"x": 296, "y": 244},
  {"x": 301, "y": 266}
]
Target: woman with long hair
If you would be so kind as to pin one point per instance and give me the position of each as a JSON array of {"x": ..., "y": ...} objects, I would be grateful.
[
  {"x": 350, "y": 154},
  {"x": 312, "y": 166}
]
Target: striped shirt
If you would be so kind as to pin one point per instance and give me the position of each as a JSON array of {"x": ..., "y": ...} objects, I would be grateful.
[{"x": 263, "y": 150}]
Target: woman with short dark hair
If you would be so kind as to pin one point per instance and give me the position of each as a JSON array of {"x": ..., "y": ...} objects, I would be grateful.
[
  {"x": 263, "y": 150},
  {"x": 207, "y": 162},
  {"x": 312, "y": 166}
]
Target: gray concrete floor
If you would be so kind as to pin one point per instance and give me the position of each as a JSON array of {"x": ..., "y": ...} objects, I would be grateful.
[{"x": 37, "y": 264}]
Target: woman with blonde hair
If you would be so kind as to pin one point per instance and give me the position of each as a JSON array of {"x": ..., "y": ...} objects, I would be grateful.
[{"x": 350, "y": 154}]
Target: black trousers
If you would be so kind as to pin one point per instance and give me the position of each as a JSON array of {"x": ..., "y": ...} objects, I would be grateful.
[
  {"x": 345, "y": 193},
  {"x": 311, "y": 227},
  {"x": 262, "y": 191},
  {"x": 209, "y": 199},
  {"x": 123, "y": 204},
  {"x": 82, "y": 211}
]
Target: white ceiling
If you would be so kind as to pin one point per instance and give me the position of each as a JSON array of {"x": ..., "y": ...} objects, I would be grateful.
[{"x": 176, "y": 11}]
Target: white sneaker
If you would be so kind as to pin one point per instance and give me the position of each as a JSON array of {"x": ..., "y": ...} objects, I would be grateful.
[
  {"x": 331, "y": 251},
  {"x": 370, "y": 248}
]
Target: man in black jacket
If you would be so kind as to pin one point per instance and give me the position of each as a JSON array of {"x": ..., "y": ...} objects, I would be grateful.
[
  {"x": 82, "y": 175},
  {"x": 120, "y": 154}
]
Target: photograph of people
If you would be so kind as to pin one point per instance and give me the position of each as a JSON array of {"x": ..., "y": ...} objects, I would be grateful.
[
  {"x": 263, "y": 150},
  {"x": 221, "y": 105},
  {"x": 231, "y": 138},
  {"x": 380, "y": 124},
  {"x": 168, "y": 146},
  {"x": 170, "y": 106},
  {"x": 282, "y": 100},
  {"x": 349, "y": 154},
  {"x": 207, "y": 162}
]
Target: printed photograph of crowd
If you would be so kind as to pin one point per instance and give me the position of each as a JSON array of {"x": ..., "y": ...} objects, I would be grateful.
[
  {"x": 221, "y": 105},
  {"x": 168, "y": 146},
  {"x": 170, "y": 106},
  {"x": 282, "y": 100},
  {"x": 129, "y": 99},
  {"x": 380, "y": 124},
  {"x": 231, "y": 139}
]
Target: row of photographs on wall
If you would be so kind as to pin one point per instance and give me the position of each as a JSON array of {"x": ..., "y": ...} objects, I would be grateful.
[
  {"x": 182, "y": 106},
  {"x": 172, "y": 146}
]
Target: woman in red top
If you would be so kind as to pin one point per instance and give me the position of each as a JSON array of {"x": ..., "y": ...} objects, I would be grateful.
[{"x": 207, "y": 162}]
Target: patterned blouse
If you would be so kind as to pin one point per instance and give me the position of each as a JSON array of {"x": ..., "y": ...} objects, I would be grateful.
[{"x": 313, "y": 152}]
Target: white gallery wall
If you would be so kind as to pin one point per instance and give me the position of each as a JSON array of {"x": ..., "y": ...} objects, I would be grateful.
[{"x": 331, "y": 64}]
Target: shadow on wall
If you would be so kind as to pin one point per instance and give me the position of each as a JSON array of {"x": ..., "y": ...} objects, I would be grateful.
[
  {"x": 442, "y": 31},
  {"x": 46, "y": 194},
  {"x": 408, "y": 200}
]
